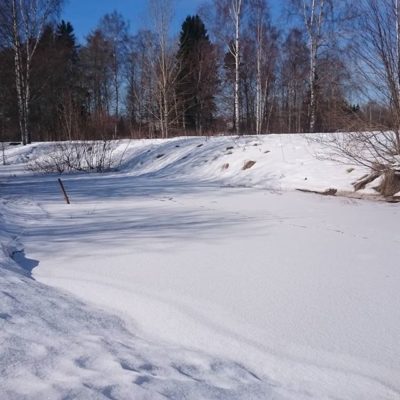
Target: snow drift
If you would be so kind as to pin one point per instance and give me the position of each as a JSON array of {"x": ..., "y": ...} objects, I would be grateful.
[{"x": 181, "y": 277}]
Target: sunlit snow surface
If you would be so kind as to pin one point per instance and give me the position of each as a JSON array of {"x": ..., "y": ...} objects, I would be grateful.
[{"x": 169, "y": 279}]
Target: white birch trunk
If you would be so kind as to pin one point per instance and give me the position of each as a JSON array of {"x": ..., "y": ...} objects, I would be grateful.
[
  {"x": 28, "y": 21},
  {"x": 313, "y": 103},
  {"x": 18, "y": 72},
  {"x": 259, "y": 116},
  {"x": 313, "y": 19},
  {"x": 116, "y": 88},
  {"x": 236, "y": 9},
  {"x": 237, "y": 72},
  {"x": 27, "y": 98},
  {"x": 397, "y": 14}
]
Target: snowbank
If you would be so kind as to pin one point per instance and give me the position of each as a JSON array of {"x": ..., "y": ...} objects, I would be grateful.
[{"x": 282, "y": 162}]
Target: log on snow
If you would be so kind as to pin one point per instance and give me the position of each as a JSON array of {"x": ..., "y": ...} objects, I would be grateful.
[{"x": 363, "y": 181}]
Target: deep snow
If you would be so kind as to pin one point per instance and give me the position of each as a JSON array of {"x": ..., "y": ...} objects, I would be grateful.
[{"x": 168, "y": 280}]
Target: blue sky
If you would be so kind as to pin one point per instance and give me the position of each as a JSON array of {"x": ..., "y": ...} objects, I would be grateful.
[{"x": 85, "y": 14}]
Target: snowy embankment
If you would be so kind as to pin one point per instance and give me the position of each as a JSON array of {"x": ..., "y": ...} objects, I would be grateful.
[
  {"x": 282, "y": 162},
  {"x": 168, "y": 279}
]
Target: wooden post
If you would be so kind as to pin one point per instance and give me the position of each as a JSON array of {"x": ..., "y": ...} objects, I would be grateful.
[
  {"x": 64, "y": 192},
  {"x": 3, "y": 152}
]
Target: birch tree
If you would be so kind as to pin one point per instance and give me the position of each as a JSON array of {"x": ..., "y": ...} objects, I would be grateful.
[
  {"x": 315, "y": 16},
  {"x": 314, "y": 13},
  {"x": 115, "y": 30},
  {"x": 259, "y": 11},
  {"x": 164, "y": 64},
  {"x": 139, "y": 98},
  {"x": 227, "y": 28},
  {"x": 294, "y": 74},
  {"x": 264, "y": 37},
  {"x": 23, "y": 21},
  {"x": 235, "y": 12}
]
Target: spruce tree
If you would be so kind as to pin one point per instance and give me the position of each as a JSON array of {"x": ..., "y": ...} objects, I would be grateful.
[
  {"x": 67, "y": 50},
  {"x": 198, "y": 79},
  {"x": 56, "y": 84}
]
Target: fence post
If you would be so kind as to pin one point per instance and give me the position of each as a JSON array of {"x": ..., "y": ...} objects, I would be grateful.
[{"x": 64, "y": 192}]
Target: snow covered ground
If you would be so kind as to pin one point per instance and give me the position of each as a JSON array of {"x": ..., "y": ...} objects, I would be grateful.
[{"x": 181, "y": 278}]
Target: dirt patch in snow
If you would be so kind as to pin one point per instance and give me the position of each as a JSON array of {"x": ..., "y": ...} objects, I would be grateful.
[{"x": 248, "y": 164}]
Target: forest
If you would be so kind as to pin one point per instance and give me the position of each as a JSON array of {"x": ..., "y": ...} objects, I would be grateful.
[{"x": 232, "y": 69}]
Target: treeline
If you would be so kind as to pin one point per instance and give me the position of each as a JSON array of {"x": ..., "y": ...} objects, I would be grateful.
[{"x": 231, "y": 69}]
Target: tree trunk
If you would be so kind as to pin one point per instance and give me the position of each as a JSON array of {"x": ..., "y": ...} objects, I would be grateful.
[
  {"x": 397, "y": 133},
  {"x": 237, "y": 11},
  {"x": 313, "y": 77},
  {"x": 116, "y": 97},
  {"x": 259, "y": 84},
  {"x": 313, "y": 22},
  {"x": 18, "y": 73}
]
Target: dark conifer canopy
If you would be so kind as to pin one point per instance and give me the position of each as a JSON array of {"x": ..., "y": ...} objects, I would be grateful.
[{"x": 198, "y": 74}]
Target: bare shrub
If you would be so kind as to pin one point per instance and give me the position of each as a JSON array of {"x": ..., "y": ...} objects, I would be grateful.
[
  {"x": 92, "y": 156},
  {"x": 377, "y": 150}
]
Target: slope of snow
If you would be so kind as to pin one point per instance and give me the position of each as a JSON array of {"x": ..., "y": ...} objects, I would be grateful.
[
  {"x": 161, "y": 281},
  {"x": 282, "y": 161}
]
